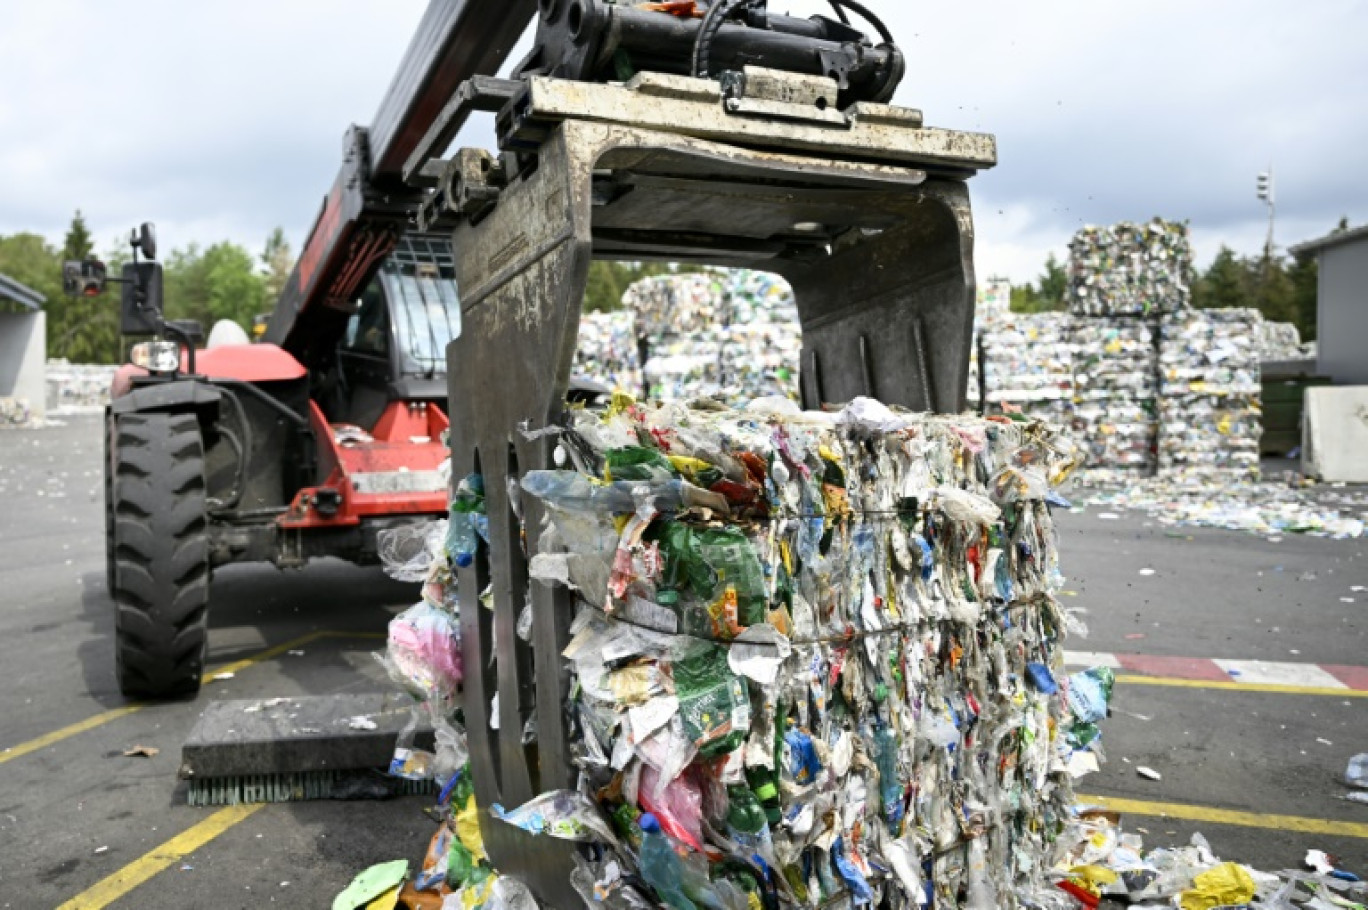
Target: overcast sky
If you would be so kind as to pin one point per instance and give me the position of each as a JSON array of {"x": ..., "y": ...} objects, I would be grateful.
[{"x": 222, "y": 120}]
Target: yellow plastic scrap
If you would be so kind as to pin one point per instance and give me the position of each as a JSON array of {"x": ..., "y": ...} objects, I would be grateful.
[
  {"x": 1228, "y": 883},
  {"x": 689, "y": 467},
  {"x": 387, "y": 901},
  {"x": 1093, "y": 878},
  {"x": 473, "y": 896},
  {"x": 468, "y": 830},
  {"x": 620, "y": 402}
]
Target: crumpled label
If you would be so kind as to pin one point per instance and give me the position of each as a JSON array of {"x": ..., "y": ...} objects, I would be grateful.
[{"x": 758, "y": 653}]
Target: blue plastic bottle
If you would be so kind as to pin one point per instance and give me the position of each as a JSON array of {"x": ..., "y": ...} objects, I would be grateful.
[{"x": 661, "y": 866}]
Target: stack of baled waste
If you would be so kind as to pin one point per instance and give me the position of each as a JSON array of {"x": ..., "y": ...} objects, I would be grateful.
[
  {"x": 1116, "y": 384},
  {"x": 1282, "y": 341},
  {"x": 78, "y": 388},
  {"x": 816, "y": 657},
  {"x": 1130, "y": 269},
  {"x": 608, "y": 352},
  {"x": 1028, "y": 363},
  {"x": 729, "y": 334},
  {"x": 1210, "y": 398}
]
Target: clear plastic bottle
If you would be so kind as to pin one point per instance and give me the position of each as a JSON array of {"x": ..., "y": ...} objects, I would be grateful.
[
  {"x": 466, "y": 507},
  {"x": 661, "y": 866}
]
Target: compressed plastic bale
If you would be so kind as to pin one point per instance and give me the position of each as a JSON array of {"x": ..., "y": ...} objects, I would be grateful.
[
  {"x": 908, "y": 602},
  {"x": 608, "y": 351},
  {"x": 729, "y": 334},
  {"x": 1210, "y": 403},
  {"x": 1130, "y": 269}
]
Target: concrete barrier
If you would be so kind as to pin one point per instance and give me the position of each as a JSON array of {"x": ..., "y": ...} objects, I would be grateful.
[{"x": 1335, "y": 440}]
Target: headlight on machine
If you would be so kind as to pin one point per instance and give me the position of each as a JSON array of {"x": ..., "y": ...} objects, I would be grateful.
[{"x": 156, "y": 356}]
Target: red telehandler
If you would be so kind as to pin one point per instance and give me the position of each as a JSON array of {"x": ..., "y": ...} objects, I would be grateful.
[{"x": 330, "y": 430}]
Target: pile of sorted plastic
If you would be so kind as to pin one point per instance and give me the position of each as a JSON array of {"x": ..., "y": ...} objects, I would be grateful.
[
  {"x": 816, "y": 657},
  {"x": 78, "y": 388},
  {"x": 1109, "y": 864},
  {"x": 1209, "y": 402},
  {"x": 1282, "y": 341},
  {"x": 1267, "y": 508},
  {"x": 1130, "y": 269},
  {"x": 729, "y": 334},
  {"x": 607, "y": 350},
  {"x": 15, "y": 413}
]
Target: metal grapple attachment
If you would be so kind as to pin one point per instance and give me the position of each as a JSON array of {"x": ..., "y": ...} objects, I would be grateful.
[{"x": 863, "y": 209}]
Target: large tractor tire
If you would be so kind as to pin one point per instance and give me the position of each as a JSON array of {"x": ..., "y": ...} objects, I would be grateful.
[
  {"x": 161, "y": 554},
  {"x": 111, "y": 565}
]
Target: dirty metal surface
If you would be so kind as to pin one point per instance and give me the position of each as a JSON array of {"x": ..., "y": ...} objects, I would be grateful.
[{"x": 694, "y": 107}]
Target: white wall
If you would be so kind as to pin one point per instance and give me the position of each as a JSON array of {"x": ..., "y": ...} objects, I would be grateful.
[{"x": 23, "y": 353}]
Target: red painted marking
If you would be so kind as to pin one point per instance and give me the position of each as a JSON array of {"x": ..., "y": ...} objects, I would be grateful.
[
  {"x": 1355, "y": 678},
  {"x": 1174, "y": 667}
]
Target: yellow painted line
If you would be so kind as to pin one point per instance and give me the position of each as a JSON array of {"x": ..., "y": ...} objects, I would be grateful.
[
  {"x": 90, "y": 723},
  {"x": 1133, "y": 680},
  {"x": 56, "y": 736},
  {"x": 268, "y": 654},
  {"x": 1227, "y": 816},
  {"x": 105, "y": 892}
]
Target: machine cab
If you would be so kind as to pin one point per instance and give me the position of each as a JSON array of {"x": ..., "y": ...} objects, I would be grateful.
[{"x": 394, "y": 345}]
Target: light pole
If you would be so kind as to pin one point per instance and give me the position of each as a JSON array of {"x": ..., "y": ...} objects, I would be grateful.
[{"x": 1265, "y": 185}]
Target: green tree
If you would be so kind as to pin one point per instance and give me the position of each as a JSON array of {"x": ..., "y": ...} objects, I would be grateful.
[
  {"x": 278, "y": 260},
  {"x": 1225, "y": 283},
  {"x": 220, "y": 282},
  {"x": 608, "y": 281},
  {"x": 1304, "y": 273},
  {"x": 81, "y": 329},
  {"x": 1047, "y": 294},
  {"x": 78, "y": 244}
]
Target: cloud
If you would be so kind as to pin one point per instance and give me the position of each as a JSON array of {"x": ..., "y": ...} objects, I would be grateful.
[{"x": 225, "y": 120}]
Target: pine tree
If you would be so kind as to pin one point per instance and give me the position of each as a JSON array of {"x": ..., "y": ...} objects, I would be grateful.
[
  {"x": 278, "y": 259},
  {"x": 78, "y": 244}
]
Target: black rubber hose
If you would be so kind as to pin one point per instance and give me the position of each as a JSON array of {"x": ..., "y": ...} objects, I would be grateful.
[
  {"x": 865, "y": 13},
  {"x": 712, "y": 24},
  {"x": 840, "y": 12}
]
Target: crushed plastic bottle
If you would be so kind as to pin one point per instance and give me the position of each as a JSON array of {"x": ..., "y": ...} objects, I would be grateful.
[
  {"x": 661, "y": 866},
  {"x": 467, "y": 510}
]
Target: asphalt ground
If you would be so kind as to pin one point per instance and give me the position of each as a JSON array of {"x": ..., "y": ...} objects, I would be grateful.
[{"x": 79, "y": 820}]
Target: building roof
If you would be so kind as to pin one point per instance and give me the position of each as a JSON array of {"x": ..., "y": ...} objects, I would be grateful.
[
  {"x": 10, "y": 289},
  {"x": 24, "y": 296},
  {"x": 1329, "y": 240}
]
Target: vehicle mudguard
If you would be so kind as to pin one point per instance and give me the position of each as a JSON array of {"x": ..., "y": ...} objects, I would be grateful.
[{"x": 176, "y": 395}]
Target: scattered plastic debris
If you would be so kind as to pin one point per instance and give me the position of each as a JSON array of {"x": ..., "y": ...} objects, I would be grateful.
[
  {"x": 224, "y": 676},
  {"x": 1256, "y": 507},
  {"x": 142, "y": 752},
  {"x": 361, "y": 723},
  {"x": 15, "y": 414},
  {"x": 1106, "y": 862},
  {"x": 371, "y": 884},
  {"x": 1148, "y": 773}
]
